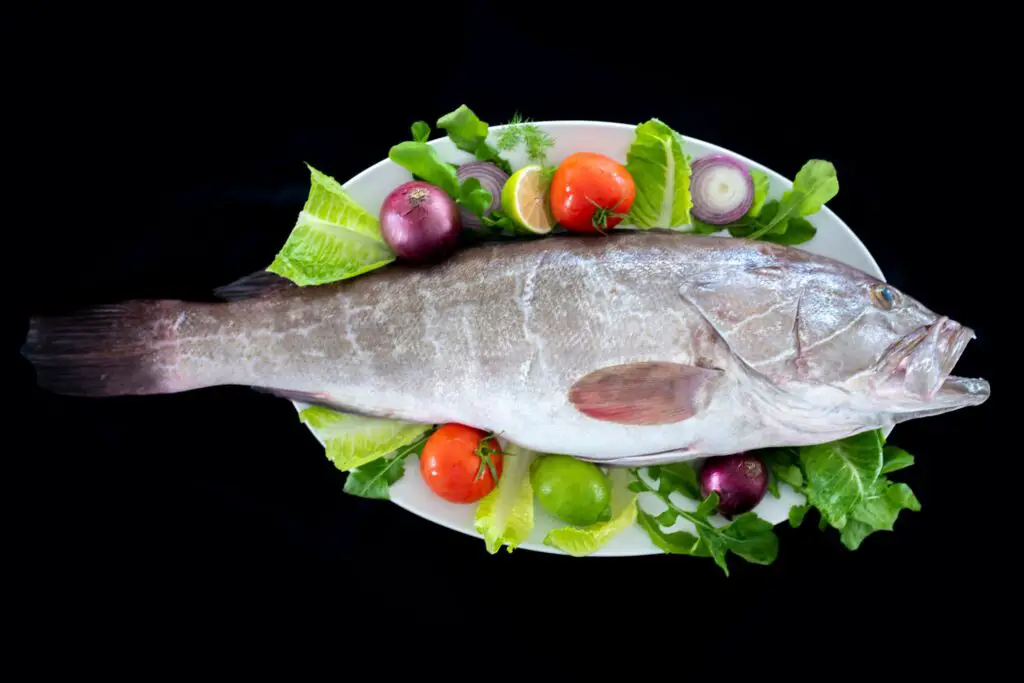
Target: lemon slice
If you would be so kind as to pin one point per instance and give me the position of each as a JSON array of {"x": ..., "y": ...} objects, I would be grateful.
[{"x": 524, "y": 198}]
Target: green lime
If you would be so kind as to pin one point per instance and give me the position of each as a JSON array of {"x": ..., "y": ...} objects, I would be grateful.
[
  {"x": 524, "y": 198},
  {"x": 574, "y": 491}
]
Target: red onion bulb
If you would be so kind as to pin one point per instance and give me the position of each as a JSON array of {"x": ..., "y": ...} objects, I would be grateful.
[
  {"x": 740, "y": 480},
  {"x": 722, "y": 189},
  {"x": 420, "y": 222}
]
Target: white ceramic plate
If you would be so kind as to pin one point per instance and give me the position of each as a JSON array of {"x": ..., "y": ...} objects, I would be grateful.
[{"x": 834, "y": 239}]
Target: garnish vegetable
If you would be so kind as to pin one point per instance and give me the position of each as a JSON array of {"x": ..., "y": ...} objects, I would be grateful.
[
  {"x": 722, "y": 189},
  {"x": 461, "y": 464},
  {"x": 420, "y": 222},
  {"x": 591, "y": 193},
  {"x": 740, "y": 481},
  {"x": 576, "y": 492},
  {"x": 505, "y": 516},
  {"x": 492, "y": 179},
  {"x": 660, "y": 168}
]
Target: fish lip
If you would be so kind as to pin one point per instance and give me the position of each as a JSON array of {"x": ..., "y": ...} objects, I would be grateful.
[
  {"x": 922, "y": 360},
  {"x": 963, "y": 391}
]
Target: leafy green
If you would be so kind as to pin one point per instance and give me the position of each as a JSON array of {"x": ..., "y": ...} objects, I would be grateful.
[
  {"x": 747, "y": 535},
  {"x": 581, "y": 541},
  {"x": 895, "y": 458},
  {"x": 474, "y": 197},
  {"x": 839, "y": 474},
  {"x": 422, "y": 160},
  {"x": 679, "y": 476},
  {"x": 702, "y": 228},
  {"x": 814, "y": 185},
  {"x": 420, "y": 131},
  {"x": 761, "y": 183},
  {"x": 661, "y": 172},
  {"x": 469, "y": 134},
  {"x": 374, "y": 479},
  {"x": 845, "y": 481},
  {"x": 354, "y": 440},
  {"x": 505, "y": 515},
  {"x": 797, "y": 514},
  {"x": 520, "y": 131},
  {"x": 333, "y": 238}
]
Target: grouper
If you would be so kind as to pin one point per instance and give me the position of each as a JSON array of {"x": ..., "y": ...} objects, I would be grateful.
[{"x": 635, "y": 348}]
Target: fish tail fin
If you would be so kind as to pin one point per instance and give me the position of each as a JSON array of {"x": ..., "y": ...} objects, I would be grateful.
[{"x": 111, "y": 350}]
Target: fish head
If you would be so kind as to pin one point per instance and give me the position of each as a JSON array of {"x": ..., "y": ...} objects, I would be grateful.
[{"x": 809, "y": 323}]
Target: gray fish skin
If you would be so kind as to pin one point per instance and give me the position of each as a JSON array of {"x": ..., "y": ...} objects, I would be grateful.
[{"x": 803, "y": 349}]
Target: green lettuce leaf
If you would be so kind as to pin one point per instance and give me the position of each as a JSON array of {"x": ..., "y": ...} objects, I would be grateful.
[
  {"x": 878, "y": 511},
  {"x": 505, "y": 515},
  {"x": 422, "y": 161},
  {"x": 760, "y": 179},
  {"x": 797, "y": 514},
  {"x": 661, "y": 172},
  {"x": 841, "y": 473},
  {"x": 354, "y": 440},
  {"x": 333, "y": 239},
  {"x": 474, "y": 197},
  {"x": 582, "y": 541},
  {"x": 895, "y": 458}
]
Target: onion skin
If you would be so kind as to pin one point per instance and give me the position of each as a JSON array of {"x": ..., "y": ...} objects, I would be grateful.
[
  {"x": 491, "y": 179},
  {"x": 740, "y": 480},
  {"x": 420, "y": 222},
  {"x": 702, "y": 174}
]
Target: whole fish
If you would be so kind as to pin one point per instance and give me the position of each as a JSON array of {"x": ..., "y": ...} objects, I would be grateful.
[{"x": 635, "y": 348}]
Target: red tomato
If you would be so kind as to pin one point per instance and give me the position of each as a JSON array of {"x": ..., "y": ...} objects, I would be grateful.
[
  {"x": 456, "y": 463},
  {"x": 591, "y": 192}
]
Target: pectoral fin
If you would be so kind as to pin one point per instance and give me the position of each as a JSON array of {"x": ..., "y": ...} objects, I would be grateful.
[{"x": 644, "y": 393}]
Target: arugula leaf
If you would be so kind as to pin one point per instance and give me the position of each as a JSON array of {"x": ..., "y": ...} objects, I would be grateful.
[
  {"x": 760, "y": 179},
  {"x": 679, "y": 476},
  {"x": 474, "y": 197},
  {"x": 795, "y": 231},
  {"x": 797, "y": 514},
  {"x": 783, "y": 463},
  {"x": 469, "y": 134},
  {"x": 702, "y": 228},
  {"x": 374, "y": 479},
  {"x": 814, "y": 185},
  {"x": 841, "y": 473},
  {"x": 420, "y": 131},
  {"x": 895, "y": 458},
  {"x": 422, "y": 160},
  {"x": 747, "y": 535}
]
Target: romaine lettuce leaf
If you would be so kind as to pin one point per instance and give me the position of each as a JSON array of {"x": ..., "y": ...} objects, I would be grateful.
[
  {"x": 661, "y": 172},
  {"x": 505, "y": 515},
  {"x": 354, "y": 440},
  {"x": 840, "y": 473},
  {"x": 333, "y": 239},
  {"x": 582, "y": 541}
]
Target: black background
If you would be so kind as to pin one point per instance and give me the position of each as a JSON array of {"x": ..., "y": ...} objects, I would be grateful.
[{"x": 159, "y": 153}]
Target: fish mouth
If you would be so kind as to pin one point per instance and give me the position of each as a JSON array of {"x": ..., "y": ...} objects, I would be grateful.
[{"x": 922, "y": 363}]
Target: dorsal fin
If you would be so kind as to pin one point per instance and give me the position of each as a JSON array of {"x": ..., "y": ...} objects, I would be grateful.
[{"x": 259, "y": 284}]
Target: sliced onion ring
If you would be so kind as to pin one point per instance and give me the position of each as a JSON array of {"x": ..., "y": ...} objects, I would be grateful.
[
  {"x": 491, "y": 179},
  {"x": 722, "y": 189}
]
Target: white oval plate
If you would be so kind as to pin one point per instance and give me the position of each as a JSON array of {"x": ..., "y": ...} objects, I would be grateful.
[{"x": 834, "y": 239}]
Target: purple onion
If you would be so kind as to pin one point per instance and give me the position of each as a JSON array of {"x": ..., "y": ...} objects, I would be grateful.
[
  {"x": 722, "y": 189},
  {"x": 740, "y": 480},
  {"x": 491, "y": 179},
  {"x": 420, "y": 222}
]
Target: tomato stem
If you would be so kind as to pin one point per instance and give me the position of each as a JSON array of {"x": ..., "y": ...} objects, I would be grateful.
[
  {"x": 602, "y": 214},
  {"x": 484, "y": 452}
]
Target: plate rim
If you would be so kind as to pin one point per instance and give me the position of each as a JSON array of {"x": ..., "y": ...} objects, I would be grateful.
[{"x": 583, "y": 123}]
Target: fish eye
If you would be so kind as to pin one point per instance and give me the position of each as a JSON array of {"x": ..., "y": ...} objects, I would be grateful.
[{"x": 883, "y": 296}]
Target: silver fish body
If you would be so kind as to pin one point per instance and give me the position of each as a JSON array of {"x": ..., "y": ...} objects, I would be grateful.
[{"x": 761, "y": 345}]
